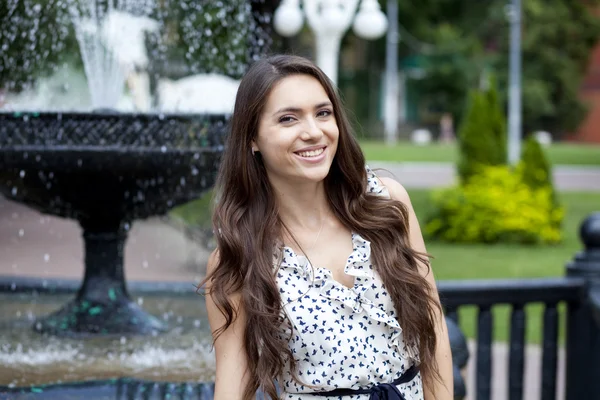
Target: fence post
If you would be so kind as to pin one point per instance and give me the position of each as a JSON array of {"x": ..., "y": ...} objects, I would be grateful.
[
  {"x": 583, "y": 319},
  {"x": 460, "y": 356}
]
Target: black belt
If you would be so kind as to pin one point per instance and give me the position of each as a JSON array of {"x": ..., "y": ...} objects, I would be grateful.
[{"x": 383, "y": 391}]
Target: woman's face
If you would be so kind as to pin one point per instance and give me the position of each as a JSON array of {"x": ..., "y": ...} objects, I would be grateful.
[{"x": 297, "y": 132}]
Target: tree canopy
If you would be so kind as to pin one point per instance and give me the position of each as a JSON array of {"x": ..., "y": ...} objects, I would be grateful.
[{"x": 463, "y": 41}]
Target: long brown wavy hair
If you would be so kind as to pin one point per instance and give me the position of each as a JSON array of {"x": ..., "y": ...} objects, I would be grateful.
[{"x": 248, "y": 232}]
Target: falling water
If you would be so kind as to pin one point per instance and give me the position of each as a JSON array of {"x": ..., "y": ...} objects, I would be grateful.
[{"x": 107, "y": 31}]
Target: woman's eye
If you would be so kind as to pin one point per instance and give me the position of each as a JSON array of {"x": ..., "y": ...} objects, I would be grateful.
[
  {"x": 286, "y": 118},
  {"x": 324, "y": 113}
]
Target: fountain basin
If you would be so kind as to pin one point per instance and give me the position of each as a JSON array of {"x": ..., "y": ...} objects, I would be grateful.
[
  {"x": 176, "y": 364},
  {"x": 106, "y": 170},
  {"x": 113, "y": 165}
]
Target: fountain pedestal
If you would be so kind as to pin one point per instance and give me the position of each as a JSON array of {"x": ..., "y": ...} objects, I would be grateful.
[
  {"x": 106, "y": 170},
  {"x": 102, "y": 304}
]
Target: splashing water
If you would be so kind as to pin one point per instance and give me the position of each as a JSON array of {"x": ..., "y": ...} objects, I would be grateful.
[{"x": 111, "y": 41}]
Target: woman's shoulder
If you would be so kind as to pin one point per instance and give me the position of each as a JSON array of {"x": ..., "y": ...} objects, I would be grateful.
[{"x": 386, "y": 186}]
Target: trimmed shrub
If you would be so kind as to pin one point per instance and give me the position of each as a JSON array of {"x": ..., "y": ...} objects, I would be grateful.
[
  {"x": 495, "y": 205},
  {"x": 482, "y": 135},
  {"x": 535, "y": 168}
]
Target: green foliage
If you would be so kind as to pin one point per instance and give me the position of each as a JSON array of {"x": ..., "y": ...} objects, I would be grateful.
[
  {"x": 34, "y": 35},
  {"x": 206, "y": 36},
  {"x": 558, "y": 37},
  {"x": 482, "y": 135},
  {"x": 536, "y": 168},
  {"x": 495, "y": 205}
]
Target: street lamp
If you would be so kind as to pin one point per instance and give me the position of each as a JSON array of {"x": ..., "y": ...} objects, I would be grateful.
[
  {"x": 514, "y": 98},
  {"x": 329, "y": 20}
]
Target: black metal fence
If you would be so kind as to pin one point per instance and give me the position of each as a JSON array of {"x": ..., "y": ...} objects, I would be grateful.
[{"x": 579, "y": 291}]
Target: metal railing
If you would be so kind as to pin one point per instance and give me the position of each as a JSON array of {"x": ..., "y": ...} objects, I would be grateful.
[{"x": 579, "y": 291}]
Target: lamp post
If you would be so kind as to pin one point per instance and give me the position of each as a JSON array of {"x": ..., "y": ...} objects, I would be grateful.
[
  {"x": 514, "y": 103},
  {"x": 329, "y": 20}
]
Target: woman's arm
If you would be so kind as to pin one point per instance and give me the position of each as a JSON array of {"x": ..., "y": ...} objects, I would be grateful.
[
  {"x": 231, "y": 376},
  {"x": 440, "y": 390}
]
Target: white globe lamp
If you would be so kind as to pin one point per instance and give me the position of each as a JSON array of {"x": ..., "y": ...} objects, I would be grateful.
[
  {"x": 287, "y": 19},
  {"x": 370, "y": 22},
  {"x": 333, "y": 19}
]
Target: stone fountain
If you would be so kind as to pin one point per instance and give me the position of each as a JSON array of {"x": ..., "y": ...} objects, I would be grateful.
[{"x": 106, "y": 168}]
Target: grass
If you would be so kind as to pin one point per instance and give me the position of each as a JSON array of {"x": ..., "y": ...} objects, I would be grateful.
[
  {"x": 459, "y": 261},
  {"x": 558, "y": 154}
]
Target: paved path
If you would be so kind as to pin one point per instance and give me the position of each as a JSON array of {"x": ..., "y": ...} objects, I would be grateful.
[
  {"x": 532, "y": 373},
  {"x": 433, "y": 175}
]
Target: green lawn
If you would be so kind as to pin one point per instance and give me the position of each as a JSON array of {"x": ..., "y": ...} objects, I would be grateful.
[
  {"x": 560, "y": 153},
  {"x": 452, "y": 261}
]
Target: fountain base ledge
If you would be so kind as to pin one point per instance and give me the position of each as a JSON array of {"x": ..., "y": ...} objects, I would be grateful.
[
  {"x": 81, "y": 318},
  {"x": 114, "y": 389}
]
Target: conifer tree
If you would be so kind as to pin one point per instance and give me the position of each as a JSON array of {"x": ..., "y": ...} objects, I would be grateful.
[{"x": 482, "y": 135}]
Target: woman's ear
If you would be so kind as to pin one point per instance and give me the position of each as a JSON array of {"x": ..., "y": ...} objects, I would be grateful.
[{"x": 254, "y": 147}]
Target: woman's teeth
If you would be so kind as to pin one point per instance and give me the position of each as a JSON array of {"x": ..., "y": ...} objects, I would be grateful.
[{"x": 312, "y": 153}]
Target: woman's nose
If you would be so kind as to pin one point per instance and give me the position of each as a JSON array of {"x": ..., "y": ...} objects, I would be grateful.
[{"x": 312, "y": 131}]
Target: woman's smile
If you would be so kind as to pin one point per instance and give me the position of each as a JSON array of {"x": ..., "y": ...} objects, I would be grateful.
[{"x": 313, "y": 155}]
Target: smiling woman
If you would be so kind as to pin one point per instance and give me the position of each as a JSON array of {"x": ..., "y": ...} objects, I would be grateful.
[
  {"x": 298, "y": 141},
  {"x": 320, "y": 284}
]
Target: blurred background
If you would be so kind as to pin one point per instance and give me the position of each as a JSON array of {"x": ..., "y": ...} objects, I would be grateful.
[{"x": 487, "y": 111}]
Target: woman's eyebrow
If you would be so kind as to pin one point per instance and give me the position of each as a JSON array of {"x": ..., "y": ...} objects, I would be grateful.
[{"x": 297, "y": 109}]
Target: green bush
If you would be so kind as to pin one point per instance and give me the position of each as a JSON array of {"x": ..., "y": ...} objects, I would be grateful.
[
  {"x": 35, "y": 38},
  {"x": 482, "y": 135},
  {"x": 535, "y": 167},
  {"x": 496, "y": 205},
  {"x": 206, "y": 36}
]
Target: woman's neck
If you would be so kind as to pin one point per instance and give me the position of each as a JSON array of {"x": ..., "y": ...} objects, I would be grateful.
[{"x": 302, "y": 207}]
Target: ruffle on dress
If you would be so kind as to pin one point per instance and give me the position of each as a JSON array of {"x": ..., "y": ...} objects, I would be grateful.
[{"x": 356, "y": 298}]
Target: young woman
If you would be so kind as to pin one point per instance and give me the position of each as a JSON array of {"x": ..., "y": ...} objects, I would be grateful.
[{"x": 320, "y": 286}]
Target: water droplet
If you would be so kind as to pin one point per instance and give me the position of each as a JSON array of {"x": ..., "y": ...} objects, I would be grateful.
[
  {"x": 123, "y": 340},
  {"x": 163, "y": 149},
  {"x": 14, "y": 191},
  {"x": 22, "y": 174},
  {"x": 145, "y": 264},
  {"x": 46, "y": 257},
  {"x": 13, "y": 286},
  {"x": 195, "y": 171},
  {"x": 21, "y": 232},
  {"x": 79, "y": 162},
  {"x": 140, "y": 301},
  {"x": 197, "y": 323},
  {"x": 126, "y": 226}
]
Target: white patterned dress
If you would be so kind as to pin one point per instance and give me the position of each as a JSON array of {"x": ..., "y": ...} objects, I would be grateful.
[{"x": 342, "y": 337}]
